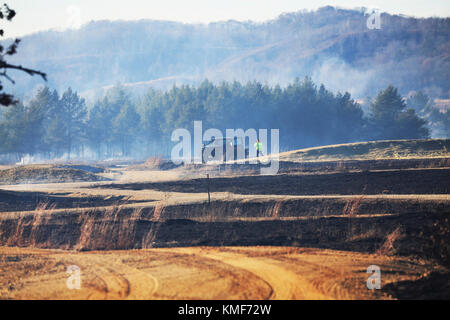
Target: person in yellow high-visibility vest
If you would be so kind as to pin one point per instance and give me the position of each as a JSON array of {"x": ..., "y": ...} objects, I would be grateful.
[{"x": 258, "y": 147}]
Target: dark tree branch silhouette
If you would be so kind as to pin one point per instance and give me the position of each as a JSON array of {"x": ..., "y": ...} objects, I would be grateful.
[{"x": 7, "y": 99}]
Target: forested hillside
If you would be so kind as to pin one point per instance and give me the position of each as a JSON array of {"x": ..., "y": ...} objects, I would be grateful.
[
  {"x": 332, "y": 46},
  {"x": 119, "y": 89}
]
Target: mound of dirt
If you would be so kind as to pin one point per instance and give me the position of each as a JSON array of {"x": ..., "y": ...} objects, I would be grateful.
[
  {"x": 45, "y": 174},
  {"x": 154, "y": 163},
  {"x": 84, "y": 167}
]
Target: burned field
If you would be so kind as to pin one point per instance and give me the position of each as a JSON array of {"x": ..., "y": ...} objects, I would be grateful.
[
  {"x": 393, "y": 209},
  {"x": 414, "y": 181},
  {"x": 50, "y": 174}
]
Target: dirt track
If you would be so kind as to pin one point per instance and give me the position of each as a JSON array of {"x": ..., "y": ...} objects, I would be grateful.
[{"x": 215, "y": 273}]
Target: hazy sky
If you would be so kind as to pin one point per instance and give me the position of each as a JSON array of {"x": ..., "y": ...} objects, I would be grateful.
[{"x": 40, "y": 15}]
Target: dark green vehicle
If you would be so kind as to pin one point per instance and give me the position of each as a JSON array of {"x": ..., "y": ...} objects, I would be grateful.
[{"x": 209, "y": 148}]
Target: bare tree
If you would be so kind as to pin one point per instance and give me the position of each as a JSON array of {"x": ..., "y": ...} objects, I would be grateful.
[{"x": 7, "y": 99}]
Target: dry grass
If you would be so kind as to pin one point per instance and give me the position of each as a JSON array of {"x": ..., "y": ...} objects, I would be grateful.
[
  {"x": 17, "y": 236},
  {"x": 149, "y": 239},
  {"x": 113, "y": 228},
  {"x": 387, "y": 248},
  {"x": 350, "y": 210},
  {"x": 154, "y": 162},
  {"x": 45, "y": 174},
  {"x": 41, "y": 216},
  {"x": 445, "y": 162},
  {"x": 86, "y": 230},
  {"x": 437, "y": 241},
  {"x": 352, "y": 206},
  {"x": 275, "y": 212},
  {"x": 388, "y": 149},
  {"x": 340, "y": 166}
]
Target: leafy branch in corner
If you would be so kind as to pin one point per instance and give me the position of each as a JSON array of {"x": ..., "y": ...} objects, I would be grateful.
[{"x": 7, "y": 99}]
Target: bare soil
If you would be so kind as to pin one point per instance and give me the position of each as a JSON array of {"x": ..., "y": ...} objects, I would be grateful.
[{"x": 213, "y": 273}]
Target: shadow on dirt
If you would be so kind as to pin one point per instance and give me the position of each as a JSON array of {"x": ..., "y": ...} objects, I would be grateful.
[
  {"x": 29, "y": 201},
  {"x": 434, "y": 286}
]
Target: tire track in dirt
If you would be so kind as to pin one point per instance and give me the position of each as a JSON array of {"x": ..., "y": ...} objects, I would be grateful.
[
  {"x": 98, "y": 280},
  {"x": 229, "y": 282},
  {"x": 103, "y": 276},
  {"x": 284, "y": 283},
  {"x": 200, "y": 273},
  {"x": 98, "y": 293},
  {"x": 120, "y": 280},
  {"x": 324, "y": 279}
]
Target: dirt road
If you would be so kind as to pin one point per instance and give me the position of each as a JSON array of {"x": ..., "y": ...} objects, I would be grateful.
[{"x": 200, "y": 273}]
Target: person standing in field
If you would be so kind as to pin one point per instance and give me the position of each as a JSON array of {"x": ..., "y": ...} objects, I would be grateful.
[{"x": 258, "y": 147}]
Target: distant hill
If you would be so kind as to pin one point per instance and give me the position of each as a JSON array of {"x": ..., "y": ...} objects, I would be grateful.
[
  {"x": 333, "y": 46},
  {"x": 389, "y": 149}
]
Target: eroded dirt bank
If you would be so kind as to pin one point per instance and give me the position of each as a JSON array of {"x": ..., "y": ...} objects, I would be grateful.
[{"x": 424, "y": 234}]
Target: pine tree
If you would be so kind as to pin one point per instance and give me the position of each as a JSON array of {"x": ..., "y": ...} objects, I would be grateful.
[
  {"x": 96, "y": 128},
  {"x": 13, "y": 135},
  {"x": 74, "y": 114},
  {"x": 391, "y": 119},
  {"x": 43, "y": 111},
  {"x": 126, "y": 127}
]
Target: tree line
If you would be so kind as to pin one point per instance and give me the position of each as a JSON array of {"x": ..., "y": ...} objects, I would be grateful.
[{"x": 119, "y": 125}]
